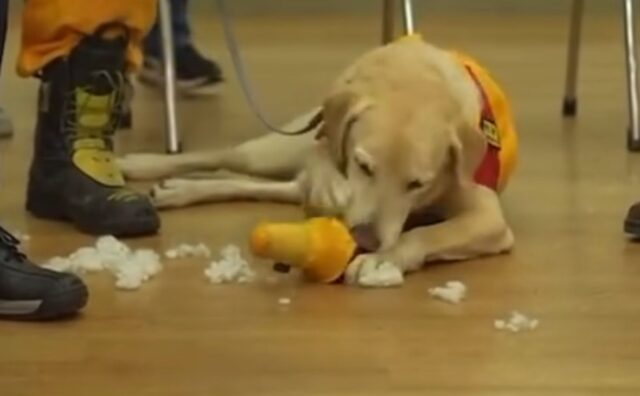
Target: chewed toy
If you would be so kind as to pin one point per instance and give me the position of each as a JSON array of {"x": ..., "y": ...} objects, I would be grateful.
[{"x": 321, "y": 247}]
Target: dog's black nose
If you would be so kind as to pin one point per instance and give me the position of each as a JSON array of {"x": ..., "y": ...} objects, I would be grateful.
[{"x": 365, "y": 237}]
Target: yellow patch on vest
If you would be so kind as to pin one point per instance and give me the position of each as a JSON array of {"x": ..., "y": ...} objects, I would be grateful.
[{"x": 490, "y": 131}]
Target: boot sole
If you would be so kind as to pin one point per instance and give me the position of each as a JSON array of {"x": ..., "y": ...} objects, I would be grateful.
[
  {"x": 142, "y": 226},
  {"x": 50, "y": 211},
  {"x": 60, "y": 305}
]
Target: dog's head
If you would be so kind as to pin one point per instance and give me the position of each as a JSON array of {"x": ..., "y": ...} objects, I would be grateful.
[{"x": 399, "y": 149}]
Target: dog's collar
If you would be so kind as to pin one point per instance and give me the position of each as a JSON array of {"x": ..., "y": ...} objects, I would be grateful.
[{"x": 341, "y": 161}]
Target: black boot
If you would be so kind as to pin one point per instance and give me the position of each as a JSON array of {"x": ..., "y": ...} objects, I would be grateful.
[
  {"x": 31, "y": 292},
  {"x": 73, "y": 175}
]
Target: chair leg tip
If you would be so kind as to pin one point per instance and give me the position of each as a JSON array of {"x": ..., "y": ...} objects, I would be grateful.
[
  {"x": 569, "y": 107},
  {"x": 632, "y": 144},
  {"x": 176, "y": 151}
]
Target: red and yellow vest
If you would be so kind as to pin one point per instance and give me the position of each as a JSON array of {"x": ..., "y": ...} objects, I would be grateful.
[{"x": 497, "y": 126}]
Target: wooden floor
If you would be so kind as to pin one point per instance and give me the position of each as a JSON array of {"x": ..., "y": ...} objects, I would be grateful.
[{"x": 572, "y": 268}]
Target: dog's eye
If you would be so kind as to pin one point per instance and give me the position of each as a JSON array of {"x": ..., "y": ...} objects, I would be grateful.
[
  {"x": 414, "y": 185},
  {"x": 366, "y": 169}
]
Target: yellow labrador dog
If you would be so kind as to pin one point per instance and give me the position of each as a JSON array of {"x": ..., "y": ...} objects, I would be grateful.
[{"x": 408, "y": 129}]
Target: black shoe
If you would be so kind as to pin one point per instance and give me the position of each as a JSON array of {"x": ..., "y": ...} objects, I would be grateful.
[
  {"x": 74, "y": 176},
  {"x": 30, "y": 292},
  {"x": 195, "y": 74},
  {"x": 632, "y": 221}
]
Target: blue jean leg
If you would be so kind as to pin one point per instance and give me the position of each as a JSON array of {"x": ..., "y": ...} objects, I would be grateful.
[{"x": 179, "y": 24}]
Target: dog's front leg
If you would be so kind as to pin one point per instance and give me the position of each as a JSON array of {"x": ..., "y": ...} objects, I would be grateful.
[{"x": 478, "y": 229}]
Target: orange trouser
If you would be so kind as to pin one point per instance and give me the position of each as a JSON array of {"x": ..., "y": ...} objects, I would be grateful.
[{"x": 52, "y": 28}]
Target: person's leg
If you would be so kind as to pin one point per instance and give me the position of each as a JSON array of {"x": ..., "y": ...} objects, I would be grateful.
[
  {"x": 195, "y": 74},
  {"x": 81, "y": 51},
  {"x": 6, "y": 126},
  {"x": 181, "y": 30},
  {"x": 26, "y": 290},
  {"x": 53, "y": 28},
  {"x": 180, "y": 23}
]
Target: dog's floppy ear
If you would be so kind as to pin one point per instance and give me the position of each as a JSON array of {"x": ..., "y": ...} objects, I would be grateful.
[
  {"x": 339, "y": 113},
  {"x": 468, "y": 148}
]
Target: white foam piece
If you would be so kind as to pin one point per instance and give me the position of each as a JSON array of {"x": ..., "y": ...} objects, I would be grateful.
[
  {"x": 185, "y": 250},
  {"x": 89, "y": 259},
  {"x": 452, "y": 292},
  {"x": 284, "y": 301},
  {"x": 128, "y": 283},
  {"x": 130, "y": 268},
  {"x": 110, "y": 244},
  {"x": 384, "y": 275},
  {"x": 231, "y": 268},
  {"x": 516, "y": 322},
  {"x": 149, "y": 260}
]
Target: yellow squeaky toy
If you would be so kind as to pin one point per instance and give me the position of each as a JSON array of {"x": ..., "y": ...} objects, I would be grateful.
[{"x": 321, "y": 247}]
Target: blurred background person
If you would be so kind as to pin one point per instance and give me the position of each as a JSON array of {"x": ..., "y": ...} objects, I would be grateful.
[{"x": 195, "y": 73}]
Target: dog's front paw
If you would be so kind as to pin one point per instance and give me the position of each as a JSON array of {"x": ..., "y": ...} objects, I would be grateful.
[
  {"x": 324, "y": 195},
  {"x": 174, "y": 193},
  {"x": 146, "y": 166},
  {"x": 373, "y": 270}
]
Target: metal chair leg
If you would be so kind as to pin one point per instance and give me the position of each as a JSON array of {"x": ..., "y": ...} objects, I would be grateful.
[
  {"x": 407, "y": 17},
  {"x": 633, "y": 133},
  {"x": 570, "y": 102},
  {"x": 173, "y": 144},
  {"x": 388, "y": 20}
]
